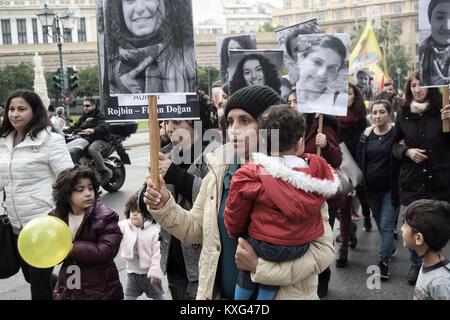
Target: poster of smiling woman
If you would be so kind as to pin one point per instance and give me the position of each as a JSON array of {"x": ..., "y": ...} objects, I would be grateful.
[
  {"x": 288, "y": 40},
  {"x": 245, "y": 42},
  {"x": 434, "y": 48},
  {"x": 148, "y": 50},
  {"x": 255, "y": 67},
  {"x": 323, "y": 73}
]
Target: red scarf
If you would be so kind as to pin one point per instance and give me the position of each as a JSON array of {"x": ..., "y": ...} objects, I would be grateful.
[{"x": 350, "y": 119}]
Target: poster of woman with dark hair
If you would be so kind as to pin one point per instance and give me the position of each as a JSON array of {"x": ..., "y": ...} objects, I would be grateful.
[
  {"x": 323, "y": 73},
  {"x": 149, "y": 46},
  {"x": 288, "y": 41},
  {"x": 255, "y": 67},
  {"x": 224, "y": 45}
]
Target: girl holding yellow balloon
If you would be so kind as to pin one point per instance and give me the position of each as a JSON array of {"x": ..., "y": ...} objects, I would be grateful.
[
  {"x": 89, "y": 271},
  {"x": 32, "y": 155}
]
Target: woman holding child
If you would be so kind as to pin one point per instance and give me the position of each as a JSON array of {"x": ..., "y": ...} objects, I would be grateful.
[{"x": 205, "y": 222}]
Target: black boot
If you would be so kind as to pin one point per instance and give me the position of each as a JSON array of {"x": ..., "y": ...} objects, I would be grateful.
[
  {"x": 324, "y": 280},
  {"x": 341, "y": 261},
  {"x": 367, "y": 226},
  {"x": 353, "y": 239}
]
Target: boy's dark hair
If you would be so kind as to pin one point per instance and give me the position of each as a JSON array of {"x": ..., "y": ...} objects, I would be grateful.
[
  {"x": 131, "y": 205},
  {"x": 291, "y": 125},
  {"x": 66, "y": 182},
  {"x": 432, "y": 219},
  {"x": 91, "y": 100}
]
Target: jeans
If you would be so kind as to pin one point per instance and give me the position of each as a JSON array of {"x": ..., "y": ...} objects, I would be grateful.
[
  {"x": 270, "y": 252},
  {"x": 413, "y": 256},
  {"x": 42, "y": 281},
  {"x": 181, "y": 288},
  {"x": 345, "y": 220},
  {"x": 385, "y": 215},
  {"x": 95, "y": 150},
  {"x": 137, "y": 284},
  {"x": 76, "y": 148}
]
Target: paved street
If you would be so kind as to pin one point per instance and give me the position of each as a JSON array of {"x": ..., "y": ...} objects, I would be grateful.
[{"x": 348, "y": 283}]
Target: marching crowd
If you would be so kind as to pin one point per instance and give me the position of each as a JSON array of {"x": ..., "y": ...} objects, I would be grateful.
[{"x": 241, "y": 219}]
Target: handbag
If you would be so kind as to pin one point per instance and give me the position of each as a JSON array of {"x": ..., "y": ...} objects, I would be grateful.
[
  {"x": 349, "y": 173},
  {"x": 9, "y": 259}
]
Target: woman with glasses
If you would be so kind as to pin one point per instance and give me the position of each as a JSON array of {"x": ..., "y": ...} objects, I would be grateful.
[{"x": 96, "y": 135}]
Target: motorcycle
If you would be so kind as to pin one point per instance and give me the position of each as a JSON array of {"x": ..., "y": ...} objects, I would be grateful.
[{"x": 119, "y": 133}]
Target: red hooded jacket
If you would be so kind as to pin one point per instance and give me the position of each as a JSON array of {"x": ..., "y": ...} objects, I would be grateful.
[{"x": 277, "y": 204}]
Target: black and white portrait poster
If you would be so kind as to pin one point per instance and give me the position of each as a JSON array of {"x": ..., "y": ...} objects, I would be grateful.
[
  {"x": 434, "y": 48},
  {"x": 288, "y": 41},
  {"x": 255, "y": 67},
  {"x": 243, "y": 42},
  {"x": 323, "y": 73},
  {"x": 148, "y": 50}
]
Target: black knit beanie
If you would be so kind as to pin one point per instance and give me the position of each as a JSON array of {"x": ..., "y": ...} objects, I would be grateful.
[
  {"x": 432, "y": 5},
  {"x": 254, "y": 100}
]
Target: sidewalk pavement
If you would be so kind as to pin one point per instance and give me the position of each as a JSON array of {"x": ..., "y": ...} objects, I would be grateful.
[{"x": 140, "y": 138}]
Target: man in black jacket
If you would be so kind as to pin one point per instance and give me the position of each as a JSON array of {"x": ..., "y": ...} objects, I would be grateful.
[{"x": 95, "y": 134}]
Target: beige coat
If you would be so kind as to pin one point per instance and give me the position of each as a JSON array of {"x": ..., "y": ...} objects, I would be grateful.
[{"x": 297, "y": 279}]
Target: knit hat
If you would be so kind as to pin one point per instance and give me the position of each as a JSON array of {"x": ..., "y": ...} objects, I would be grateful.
[
  {"x": 432, "y": 5},
  {"x": 254, "y": 100}
]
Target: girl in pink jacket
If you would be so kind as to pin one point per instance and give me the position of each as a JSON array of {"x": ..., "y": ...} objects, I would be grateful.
[{"x": 140, "y": 247}]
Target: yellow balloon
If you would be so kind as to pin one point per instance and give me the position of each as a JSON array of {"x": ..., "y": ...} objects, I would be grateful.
[{"x": 45, "y": 242}]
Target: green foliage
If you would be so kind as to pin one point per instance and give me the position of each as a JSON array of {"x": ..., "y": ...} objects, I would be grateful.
[
  {"x": 398, "y": 58},
  {"x": 15, "y": 77},
  {"x": 267, "y": 27},
  {"x": 356, "y": 33},
  {"x": 206, "y": 77},
  {"x": 88, "y": 81},
  {"x": 388, "y": 36}
]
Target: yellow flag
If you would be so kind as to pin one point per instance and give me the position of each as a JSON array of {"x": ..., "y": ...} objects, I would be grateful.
[{"x": 367, "y": 56}]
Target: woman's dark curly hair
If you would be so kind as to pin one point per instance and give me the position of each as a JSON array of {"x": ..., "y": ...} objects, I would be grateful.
[
  {"x": 40, "y": 119},
  {"x": 358, "y": 105},
  {"x": 433, "y": 94},
  {"x": 66, "y": 182},
  {"x": 291, "y": 126},
  {"x": 175, "y": 32},
  {"x": 245, "y": 41},
  {"x": 271, "y": 75}
]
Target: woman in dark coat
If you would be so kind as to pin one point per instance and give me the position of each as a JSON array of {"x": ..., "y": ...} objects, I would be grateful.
[
  {"x": 89, "y": 271},
  {"x": 424, "y": 151},
  {"x": 329, "y": 142},
  {"x": 350, "y": 129}
]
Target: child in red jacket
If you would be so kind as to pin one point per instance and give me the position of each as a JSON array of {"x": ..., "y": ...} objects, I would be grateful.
[{"x": 277, "y": 199}]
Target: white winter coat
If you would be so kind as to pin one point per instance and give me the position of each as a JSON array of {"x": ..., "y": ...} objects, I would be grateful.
[{"x": 27, "y": 172}]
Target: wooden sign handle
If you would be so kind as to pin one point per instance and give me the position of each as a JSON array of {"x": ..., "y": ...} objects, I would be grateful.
[
  {"x": 319, "y": 130},
  {"x": 445, "y": 101},
  {"x": 154, "y": 139}
]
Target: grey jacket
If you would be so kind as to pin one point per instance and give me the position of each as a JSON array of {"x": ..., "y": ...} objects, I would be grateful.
[{"x": 191, "y": 252}]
